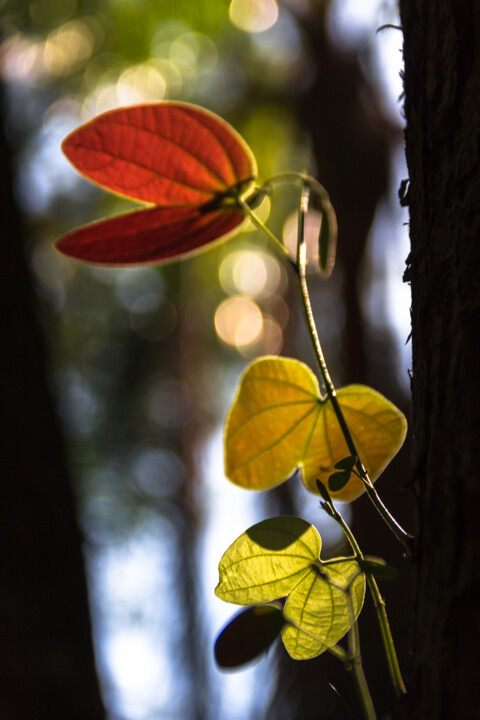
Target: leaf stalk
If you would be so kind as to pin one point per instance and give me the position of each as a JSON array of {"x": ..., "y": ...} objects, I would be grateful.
[
  {"x": 378, "y": 601},
  {"x": 301, "y": 265}
]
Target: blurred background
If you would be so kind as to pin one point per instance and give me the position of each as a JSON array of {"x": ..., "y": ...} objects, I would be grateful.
[{"x": 143, "y": 363}]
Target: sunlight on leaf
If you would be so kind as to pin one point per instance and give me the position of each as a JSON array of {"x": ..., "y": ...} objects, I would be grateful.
[
  {"x": 279, "y": 558},
  {"x": 322, "y": 608},
  {"x": 248, "y": 635},
  {"x": 188, "y": 162},
  {"x": 267, "y": 561},
  {"x": 166, "y": 153},
  {"x": 278, "y": 422},
  {"x": 156, "y": 235}
]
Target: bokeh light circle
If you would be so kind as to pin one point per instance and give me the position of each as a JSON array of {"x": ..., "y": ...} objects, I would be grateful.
[{"x": 253, "y": 16}]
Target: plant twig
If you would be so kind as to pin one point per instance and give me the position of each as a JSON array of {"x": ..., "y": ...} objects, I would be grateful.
[
  {"x": 259, "y": 224},
  {"x": 378, "y": 601},
  {"x": 359, "y": 675},
  {"x": 401, "y": 535}
]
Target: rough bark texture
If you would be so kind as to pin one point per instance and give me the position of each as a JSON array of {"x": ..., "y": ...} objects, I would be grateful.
[
  {"x": 47, "y": 669},
  {"x": 442, "y": 108}
]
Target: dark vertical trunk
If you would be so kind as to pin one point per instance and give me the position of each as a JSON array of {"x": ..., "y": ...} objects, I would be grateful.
[
  {"x": 47, "y": 669},
  {"x": 442, "y": 108},
  {"x": 350, "y": 139}
]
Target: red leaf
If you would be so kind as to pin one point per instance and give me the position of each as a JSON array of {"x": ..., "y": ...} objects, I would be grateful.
[
  {"x": 152, "y": 235},
  {"x": 184, "y": 159},
  {"x": 165, "y": 153}
]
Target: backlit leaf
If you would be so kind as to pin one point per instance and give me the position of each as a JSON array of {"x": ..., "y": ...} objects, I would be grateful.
[
  {"x": 248, "y": 635},
  {"x": 322, "y": 608},
  {"x": 267, "y": 561},
  {"x": 153, "y": 235},
  {"x": 187, "y": 161},
  {"x": 165, "y": 153},
  {"x": 279, "y": 422}
]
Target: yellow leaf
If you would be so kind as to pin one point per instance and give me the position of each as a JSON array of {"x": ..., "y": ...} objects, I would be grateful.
[
  {"x": 279, "y": 422},
  {"x": 322, "y": 608}
]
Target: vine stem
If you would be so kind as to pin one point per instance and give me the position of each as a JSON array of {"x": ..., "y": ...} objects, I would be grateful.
[
  {"x": 401, "y": 535},
  {"x": 301, "y": 262},
  {"x": 404, "y": 537},
  {"x": 260, "y": 225},
  {"x": 359, "y": 675},
  {"x": 378, "y": 601}
]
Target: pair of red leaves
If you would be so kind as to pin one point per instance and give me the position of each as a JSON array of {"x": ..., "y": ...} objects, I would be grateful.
[{"x": 189, "y": 163}]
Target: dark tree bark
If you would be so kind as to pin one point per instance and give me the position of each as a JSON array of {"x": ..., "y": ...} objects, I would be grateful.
[
  {"x": 442, "y": 108},
  {"x": 47, "y": 669}
]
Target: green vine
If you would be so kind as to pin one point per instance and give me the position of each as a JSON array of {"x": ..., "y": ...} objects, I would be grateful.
[
  {"x": 345, "y": 467},
  {"x": 279, "y": 421}
]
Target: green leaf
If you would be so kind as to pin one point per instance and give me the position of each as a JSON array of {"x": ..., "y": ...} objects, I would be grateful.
[
  {"x": 322, "y": 608},
  {"x": 348, "y": 463},
  {"x": 279, "y": 422},
  {"x": 267, "y": 561},
  {"x": 338, "y": 480},
  {"x": 248, "y": 635}
]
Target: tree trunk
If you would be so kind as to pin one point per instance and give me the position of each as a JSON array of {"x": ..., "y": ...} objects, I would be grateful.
[
  {"x": 47, "y": 669},
  {"x": 442, "y": 108}
]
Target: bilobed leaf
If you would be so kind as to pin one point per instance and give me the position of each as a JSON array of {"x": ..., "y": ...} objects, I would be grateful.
[
  {"x": 267, "y": 561},
  {"x": 322, "y": 608},
  {"x": 278, "y": 558},
  {"x": 279, "y": 422},
  {"x": 248, "y": 635},
  {"x": 188, "y": 162}
]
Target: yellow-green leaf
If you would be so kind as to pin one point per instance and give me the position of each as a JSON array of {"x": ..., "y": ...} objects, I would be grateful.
[
  {"x": 322, "y": 608},
  {"x": 279, "y": 422},
  {"x": 267, "y": 561}
]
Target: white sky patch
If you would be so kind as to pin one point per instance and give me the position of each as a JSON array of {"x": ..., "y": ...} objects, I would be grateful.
[
  {"x": 133, "y": 633},
  {"x": 231, "y": 510},
  {"x": 388, "y": 298},
  {"x": 351, "y": 20}
]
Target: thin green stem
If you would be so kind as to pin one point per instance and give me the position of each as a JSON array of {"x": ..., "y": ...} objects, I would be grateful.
[
  {"x": 259, "y": 224},
  {"x": 399, "y": 532},
  {"x": 358, "y": 674},
  {"x": 305, "y": 180},
  {"x": 404, "y": 537},
  {"x": 401, "y": 535},
  {"x": 378, "y": 601},
  {"x": 341, "y": 654}
]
